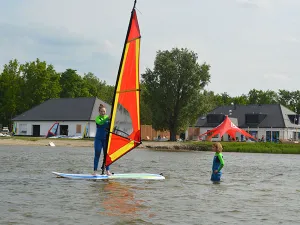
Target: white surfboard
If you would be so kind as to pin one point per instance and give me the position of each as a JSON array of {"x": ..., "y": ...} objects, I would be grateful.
[{"x": 143, "y": 176}]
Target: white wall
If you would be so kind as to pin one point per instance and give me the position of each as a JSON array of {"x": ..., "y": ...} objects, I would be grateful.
[
  {"x": 45, "y": 126},
  {"x": 92, "y": 129}
]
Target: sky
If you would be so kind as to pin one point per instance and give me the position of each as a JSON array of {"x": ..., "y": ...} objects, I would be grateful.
[{"x": 250, "y": 44}]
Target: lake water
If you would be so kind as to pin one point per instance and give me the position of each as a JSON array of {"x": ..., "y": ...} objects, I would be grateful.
[{"x": 256, "y": 188}]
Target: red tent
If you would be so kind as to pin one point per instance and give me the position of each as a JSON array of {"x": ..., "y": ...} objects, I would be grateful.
[{"x": 226, "y": 127}]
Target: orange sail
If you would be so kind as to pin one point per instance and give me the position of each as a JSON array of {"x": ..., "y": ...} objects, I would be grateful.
[{"x": 125, "y": 131}]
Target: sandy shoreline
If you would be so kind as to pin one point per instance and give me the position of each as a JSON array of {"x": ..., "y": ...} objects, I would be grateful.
[{"x": 81, "y": 143}]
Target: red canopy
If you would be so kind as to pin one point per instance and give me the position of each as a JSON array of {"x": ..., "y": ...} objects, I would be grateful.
[{"x": 227, "y": 127}]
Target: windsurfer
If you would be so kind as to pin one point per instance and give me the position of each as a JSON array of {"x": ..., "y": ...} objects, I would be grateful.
[
  {"x": 218, "y": 162},
  {"x": 100, "y": 142}
]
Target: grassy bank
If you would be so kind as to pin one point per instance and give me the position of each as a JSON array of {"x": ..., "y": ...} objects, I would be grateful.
[
  {"x": 24, "y": 138},
  {"x": 253, "y": 147}
]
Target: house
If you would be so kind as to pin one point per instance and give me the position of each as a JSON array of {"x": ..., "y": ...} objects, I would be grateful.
[
  {"x": 73, "y": 114},
  {"x": 268, "y": 121}
]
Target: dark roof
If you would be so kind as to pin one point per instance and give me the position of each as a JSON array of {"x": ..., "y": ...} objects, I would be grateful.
[
  {"x": 64, "y": 109},
  {"x": 270, "y": 115}
]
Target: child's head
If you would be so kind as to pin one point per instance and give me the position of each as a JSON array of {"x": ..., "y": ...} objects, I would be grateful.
[
  {"x": 217, "y": 147},
  {"x": 102, "y": 110}
]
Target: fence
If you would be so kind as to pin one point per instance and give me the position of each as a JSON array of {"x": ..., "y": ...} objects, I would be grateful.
[
  {"x": 148, "y": 133},
  {"x": 193, "y": 133}
]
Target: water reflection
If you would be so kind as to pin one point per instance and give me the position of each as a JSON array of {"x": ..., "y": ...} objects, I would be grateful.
[{"x": 118, "y": 199}]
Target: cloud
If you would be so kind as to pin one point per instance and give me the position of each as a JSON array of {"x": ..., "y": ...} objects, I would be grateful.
[
  {"x": 240, "y": 39},
  {"x": 264, "y": 4},
  {"x": 59, "y": 47},
  {"x": 291, "y": 39},
  {"x": 277, "y": 76}
]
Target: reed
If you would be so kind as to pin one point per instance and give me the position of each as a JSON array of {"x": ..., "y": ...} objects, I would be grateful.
[{"x": 253, "y": 147}]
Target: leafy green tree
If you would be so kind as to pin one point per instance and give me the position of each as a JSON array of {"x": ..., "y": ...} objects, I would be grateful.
[
  {"x": 146, "y": 114},
  {"x": 41, "y": 82},
  {"x": 107, "y": 93},
  {"x": 73, "y": 85},
  {"x": 208, "y": 102},
  {"x": 253, "y": 96},
  {"x": 295, "y": 102},
  {"x": 10, "y": 92},
  {"x": 223, "y": 99},
  {"x": 240, "y": 100},
  {"x": 284, "y": 97},
  {"x": 94, "y": 85},
  {"x": 173, "y": 89},
  {"x": 262, "y": 97}
]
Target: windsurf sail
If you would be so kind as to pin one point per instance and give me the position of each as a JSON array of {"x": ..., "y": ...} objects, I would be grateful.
[
  {"x": 85, "y": 131},
  {"x": 53, "y": 130},
  {"x": 15, "y": 129},
  {"x": 125, "y": 131}
]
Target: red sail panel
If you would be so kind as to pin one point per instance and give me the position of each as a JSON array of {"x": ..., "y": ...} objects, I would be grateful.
[{"x": 125, "y": 131}]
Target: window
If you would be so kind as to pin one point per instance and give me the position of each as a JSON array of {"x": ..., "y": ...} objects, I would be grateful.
[
  {"x": 78, "y": 129},
  {"x": 215, "y": 118},
  {"x": 23, "y": 129},
  {"x": 274, "y": 134},
  {"x": 254, "y": 118},
  {"x": 253, "y": 133}
]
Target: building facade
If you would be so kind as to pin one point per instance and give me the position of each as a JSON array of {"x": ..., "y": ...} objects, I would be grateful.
[
  {"x": 72, "y": 114},
  {"x": 270, "y": 122}
]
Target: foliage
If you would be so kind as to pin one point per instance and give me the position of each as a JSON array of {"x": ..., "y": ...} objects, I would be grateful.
[
  {"x": 173, "y": 89},
  {"x": 72, "y": 84},
  {"x": 23, "y": 86},
  {"x": 250, "y": 147},
  {"x": 41, "y": 82},
  {"x": 10, "y": 91},
  {"x": 172, "y": 95},
  {"x": 146, "y": 112}
]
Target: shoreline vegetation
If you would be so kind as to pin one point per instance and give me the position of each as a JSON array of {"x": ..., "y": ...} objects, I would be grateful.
[{"x": 249, "y": 147}]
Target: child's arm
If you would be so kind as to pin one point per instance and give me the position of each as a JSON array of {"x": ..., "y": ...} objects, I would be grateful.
[
  {"x": 101, "y": 120},
  {"x": 220, "y": 156}
]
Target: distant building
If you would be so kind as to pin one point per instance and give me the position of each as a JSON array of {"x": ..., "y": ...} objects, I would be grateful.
[
  {"x": 268, "y": 121},
  {"x": 73, "y": 114}
]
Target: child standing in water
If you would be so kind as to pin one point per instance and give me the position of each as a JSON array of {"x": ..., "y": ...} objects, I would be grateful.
[
  {"x": 102, "y": 124},
  {"x": 218, "y": 162}
]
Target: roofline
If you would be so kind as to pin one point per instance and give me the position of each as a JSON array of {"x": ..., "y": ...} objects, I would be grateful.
[{"x": 93, "y": 108}]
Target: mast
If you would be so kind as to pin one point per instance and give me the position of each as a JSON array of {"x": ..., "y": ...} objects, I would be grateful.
[{"x": 117, "y": 80}]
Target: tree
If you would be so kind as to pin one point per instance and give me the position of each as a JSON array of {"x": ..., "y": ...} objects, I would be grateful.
[
  {"x": 107, "y": 93},
  {"x": 208, "y": 102},
  {"x": 94, "y": 85},
  {"x": 223, "y": 99},
  {"x": 262, "y": 97},
  {"x": 295, "y": 102},
  {"x": 41, "y": 82},
  {"x": 72, "y": 84},
  {"x": 240, "y": 100},
  {"x": 285, "y": 97},
  {"x": 10, "y": 91},
  {"x": 146, "y": 114},
  {"x": 172, "y": 89}
]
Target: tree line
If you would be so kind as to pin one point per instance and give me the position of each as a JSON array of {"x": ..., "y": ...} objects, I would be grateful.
[{"x": 173, "y": 93}]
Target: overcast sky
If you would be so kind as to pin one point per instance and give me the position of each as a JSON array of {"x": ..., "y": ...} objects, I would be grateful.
[{"x": 248, "y": 43}]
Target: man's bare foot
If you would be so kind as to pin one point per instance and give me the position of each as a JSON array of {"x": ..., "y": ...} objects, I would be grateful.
[{"x": 108, "y": 173}]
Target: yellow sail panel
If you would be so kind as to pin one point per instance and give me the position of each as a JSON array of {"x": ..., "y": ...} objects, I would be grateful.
[
  {"x": 138, "y": 82},
  {"x": 122, "y": 151},
  {"x": 114, "y": 112}
]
